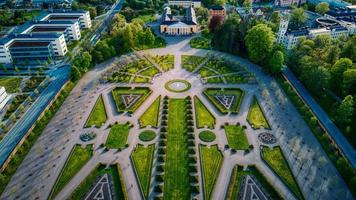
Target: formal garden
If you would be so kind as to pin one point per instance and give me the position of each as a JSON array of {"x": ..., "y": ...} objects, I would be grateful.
[{"x": 178, "y": 136}]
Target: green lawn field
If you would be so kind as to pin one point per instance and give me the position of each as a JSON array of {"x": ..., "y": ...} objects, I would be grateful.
[
  {"x": 236, "y": 137},
  {"x": 256, "y": 117},
  {"x": 203, "y": 115},
  {"x": 207, "y": 136},
  {"x": 98, "y": 115},
  {"x": 211, "y": 160},
  {"x": 176, "y": 178},
  {"x": 150, "y": 116},
  {"x": 142, "y": 158},
  {"x": 77, "y": 159},
  {"x": 11, "y": 84},
  {"x": 147, "y": 135},
  {"x": 118, "y": 136},
  {"x": 275, "y": 159}
]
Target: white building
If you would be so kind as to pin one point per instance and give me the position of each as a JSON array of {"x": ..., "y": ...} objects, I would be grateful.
[
  {"x": 289, "y": 38},
  {"x": 32, "y": 47},
  {"x": 4, "y": 98},
  {"x": 83, "y": 17},
  {"x": 185, "y": 3},
  {"x": 70, "y": 29},
  {"x": 172, "y": 25}
]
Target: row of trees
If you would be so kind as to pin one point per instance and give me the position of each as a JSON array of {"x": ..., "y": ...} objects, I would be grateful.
[{"x": 327, "y": 68}]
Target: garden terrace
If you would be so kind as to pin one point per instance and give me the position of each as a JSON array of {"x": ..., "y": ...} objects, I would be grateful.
[
  {"x": 211, "y": 160},
  {"x": 276, "y": 161},
  {"x": 118, "y": 134},
  {"x": 150, "y": 116},
  {"x": 77, "y": 159},
  {"x": 87, "y": 184},
  {"x": 256, "y": 117},
  {"x": 176, "y": 178},
  {"x": 142, "y": 158},
  {"x": 98, "y": 114},
  {"x": 128, "y": 99},
  {"x": 203, "y": 115},
  {"x": 236, "y": 137},
  {"x": 190, "y": 63},
  {"x": 166, "y": 62},
  {"x": 225, "y": 100},
  {"x": 236, "y": 180}
]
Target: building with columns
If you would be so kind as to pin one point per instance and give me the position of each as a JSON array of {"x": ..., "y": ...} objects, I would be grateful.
[{"x": 172, "y": 25}]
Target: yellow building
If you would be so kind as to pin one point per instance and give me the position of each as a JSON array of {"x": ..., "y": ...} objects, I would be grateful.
[{"x": 172, "y": 25}]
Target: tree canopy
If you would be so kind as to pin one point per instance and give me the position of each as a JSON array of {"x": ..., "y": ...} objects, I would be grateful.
[{"x": 259, "y": 42}]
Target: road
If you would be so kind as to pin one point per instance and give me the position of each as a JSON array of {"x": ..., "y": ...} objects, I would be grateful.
[
  {"x": 14, "y": 136},
  {"x": 330, "y": 127}
]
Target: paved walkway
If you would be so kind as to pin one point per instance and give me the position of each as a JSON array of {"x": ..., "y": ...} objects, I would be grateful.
[
  {"x": 331, "y": 128},
  {"x": 314, "y": 172}
]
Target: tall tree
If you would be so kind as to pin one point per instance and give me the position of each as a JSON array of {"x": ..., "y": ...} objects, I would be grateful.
[
  {"x": 337, "y": 72},
  {"x": 259, "y": 42},
  {"x": 345, "y": 110},
  {"x": 349, "y": 82},
  {"x": 276, "y": 62},
  {"x": 215, "y": 22},
  {"x": 298, "y": 16},
  {"x": 322, "y": 8}
]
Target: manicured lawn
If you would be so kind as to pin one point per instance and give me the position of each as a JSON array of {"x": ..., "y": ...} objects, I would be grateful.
[
  {"x": 207, "y": 136},
  {"x": 131, "y": 68},
  {"x": 139, "y": 79},
  {"x": 211, "y": 160},
  {"x": 166, "y": 62},
  {"x": 119, "y": 91},
  {"x": 150, "y": 116},
  {"x": 190, "y": 63},
  {"x": 203, "y": 115},
  {"x": 205, "y": 72},
  {"x": 118, "y": 136},
  {"x": 142, "y": 158},
  {"x": 77, "y": 159},
  {"x": 90, "y": 180},
  {"x": 275, "y": 159},
  {"x": 236, "y": 137},
  {"x": 237, "y": 177},
  {"x": 176, "y": 178},
  {"x": 237, "y": 94},
  {"x": 98, "y": 115},
  {"x": 147, "y": 136},
  {"x": 11, "y": 84},
  {"x": 256, "y": 117},
  {"x": 200, "y": 43}
]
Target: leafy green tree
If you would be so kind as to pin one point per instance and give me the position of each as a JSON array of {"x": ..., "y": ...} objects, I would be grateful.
[
  {"x": 345, "y": 110},
  {"x": 349, "y": 49},
  {"x": 247, "y": 4},
  {"x": 259, "y": 42},
  {"x": 316, "y": 79},
  {"x": 75, "y": 73},
  {"x": 298, "y": 16},
  {"x": 322, "y": 8},
  {"x": 349, "y": 82},
  {"x": 276, "y": 62},
  {"x": 337, "y": 72}
]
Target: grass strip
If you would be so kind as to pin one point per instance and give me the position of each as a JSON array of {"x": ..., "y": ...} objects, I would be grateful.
[
  {"x": 236, "y": 137},
  {"x": 203, "y": 115},
  {"x": 150, "y": 116},
  {"x": 98, "y": 114},
  {"x": 256, "y": 117},
  {"x": 142, "y": 158},
  {"x": 118, "y": 134},
  {"x": 211, "y": 160}
]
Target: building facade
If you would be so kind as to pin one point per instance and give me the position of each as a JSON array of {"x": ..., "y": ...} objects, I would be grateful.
[
  {"x": 32, "y": 47},
  {"x": 4, "y": 98},
  {"x": 289, "y": 38},
  {"x": 288, "y": 3},
  {"x": 83, "y": 17},
  {"x": 185, "y": 3},
  {"x": 172, "y": 25},
  {"x": 70, "y": 29},
  {"x": 216, "y": 11}
]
